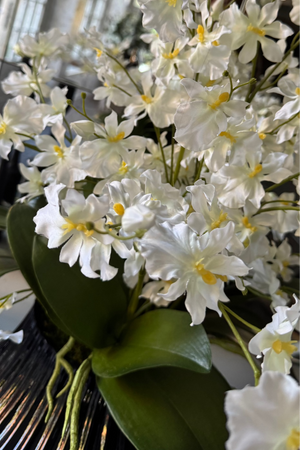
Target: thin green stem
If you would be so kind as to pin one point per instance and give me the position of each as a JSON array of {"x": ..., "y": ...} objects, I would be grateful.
[
  {"x": 25, "y": 135},
  {"x": 33, "y": 147},
  {"x": 254, "y": 65},
  {"x": 279, "y": 201},
  {"x": 122, "y": 90},
  {"x": 283, "y": 123},
  {"x": 277, "y": 208},
  {"x": 177, "y": 168},
  {"x": 172, "y": 153},
  {"x": 126, "y": 71},
  {"x": 286, "y": 180},
  {"x": 240, "y": 319},
  {"x": 251, "y": 81},
  {"x": 249, "y": 358},
  {"x": 69, "y": 138},
  {"x": 34, "y": 69},
  {"x": 258, "y": 293},
  {"x": 157, "y": 132},
  {"x": 289, "y": 290},
  {"x": 133, "y": 304},
  {"x": 231, "y": 86},
  {"x": 198, "y": 174},
  {"x": 275, "y": 81},
  {"x": 79, "y": 112}
]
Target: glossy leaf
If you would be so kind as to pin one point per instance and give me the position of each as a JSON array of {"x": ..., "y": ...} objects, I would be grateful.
[
  {"x": 169, "y": 408},
  {"x": 90, "y": 308},
  {"x": 20, "y": 230},
  {"x": 158, "y": 338}
]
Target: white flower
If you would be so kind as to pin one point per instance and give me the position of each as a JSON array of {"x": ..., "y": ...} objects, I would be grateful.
[
  {"x": 177, "y": 253},
  {"x": 295, "y": 12},
  {"x": 16, "y": 338},
  {"x": 248, "y": 31},
  {"x": 289, "y": 87},
  {"x": 159, "y": 103},
  {"x": 284, "y": 259},
  {"x": 34, "y": 186},
  {"x": 73, "y": 229},
  {"x": 63, "y": 162},
  {"x": 113, "y": 88},
  {"x": 265, "y": 417},
  {"x": 7, "y": 302},
  {"x": 165, "y": 16},
  {"x": 202, "y": 119},
  {"x": 52, "y": 113},
  {"x": 46, "y": 44},
  {"x": 101, "y": 156},
  {"x": 20, "y": 115},
  {"x": 153, "y": 289},
  {"x": 18, "y": 83},
  {"x": 276, "y": 346}
]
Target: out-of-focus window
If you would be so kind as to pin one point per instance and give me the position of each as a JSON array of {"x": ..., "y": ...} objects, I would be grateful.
[{"x": 28, "y": 18}]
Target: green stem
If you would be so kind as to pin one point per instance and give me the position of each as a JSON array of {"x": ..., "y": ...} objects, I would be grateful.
[
  {"x": 275, "y": 81},
  {"x": 254, "y": 65},
  {"x": 231, "y": 86},
  {"x": 249, "y": 358},
  {"x": 157, "y": 132},
  {"x": 34, "y": 69},
  {"x": 249, "y": 325},
  {"x": 126, "y": 71},
  {"x": 123, "y": 90},
  {"x": 199, "y": 170},
  {"x": 25, "y": 135},
  {"x": 251, "y": 81},
  {"x": 69, "y": 138},
  {"x": 283, "y": 123},
  {"x": 33, "y": 147},
  {"x": 137, "y": 292},
  {"x": 278, "y": 208},
  {"x": 286, "y": 180},
  {"x": 177, "y": 168},
  {"x": 279, "y": 201},
  {"x": 258, "y": 293},
  {"x": 79, "y": 112},
  {"x": 172, "y": 153},
  {"x": 289, "y": 290}
]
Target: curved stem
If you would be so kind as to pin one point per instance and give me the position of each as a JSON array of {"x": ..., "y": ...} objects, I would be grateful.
[
  {"x": 254, "y": 64},
  {"x": 283, "y": 123},
  {"x": 137, "y": 292},
  {"x": 157, "y": 132},
  {"x": 278, "y": 208},
  {"x": 199, "y": 170},
  {"x": 249, "y": 325},
  {"x": 177, "y": 168},
  {"x": 126, "y": 71},
  {"x": 286, "y": 180}
]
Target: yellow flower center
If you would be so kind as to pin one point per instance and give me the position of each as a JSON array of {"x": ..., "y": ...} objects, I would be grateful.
[
  {"x": 297, "y": 91},
  {"x": 215, "y": 43},
  {"x": 147, "y": 99},
  {"x": 200, "y": 31},
  {"x": 105, "y": 85},
  {"x": 69, "y": 226},
  {"x": 293, "y": 441},
  {"x": 171, "y": 2},
  {"x": 98, "y": 52},
  {"x": 117, "y": 138},
  {"x": 171, "y": 55},
  {"x": 58, "y": 150},
  {"x": 262, "y": 136},
  {"x": 3, "y": 128},
  {"x": 210, "y": 83},
  {"x": 288, "y": 347},
  {"x": 223, "y": 278},
  {"x": 222, "y": 98},
  {"x": 119, "y": 209},
  {"x": 217, "y": 223},
  {"x": 207, "y": 277},
  {"x": 228, "y": 136},
  {"x": 247, "y": 224},
  {"x": 255, "y": 30},
  {"x": 124, "y": 168},
  {"x": 181, "y": 76},
  {"x": 256, "y": 171},
  {"x": 285, "y": 263}
]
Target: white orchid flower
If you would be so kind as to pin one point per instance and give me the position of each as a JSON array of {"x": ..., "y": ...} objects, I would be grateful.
[
  {"x": 34, "y": 186},
  {"x": 289, "y": 87},
  {"x": 45, "y": 45}
]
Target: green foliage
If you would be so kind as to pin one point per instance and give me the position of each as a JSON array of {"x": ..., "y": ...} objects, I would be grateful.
[
  {"x": 91, "y": 309},
  {"x": 169, "y": 408},
  {"x": 158, "y": 338}
]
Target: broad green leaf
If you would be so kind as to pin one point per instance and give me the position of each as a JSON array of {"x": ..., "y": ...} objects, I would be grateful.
[
  {"x": 91, "y": 309},
  {"x": 158, "y": 338},
  {"x": 169, "y": 408},
  {"x": 3, "y": 215},
  {"x": 20, "y": 230}
]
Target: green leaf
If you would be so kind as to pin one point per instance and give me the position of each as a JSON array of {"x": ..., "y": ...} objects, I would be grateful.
[
  {"x": 7, "y": 265},
  {"x": 158, "y": 338},
  {"x": 91, "y": 309},
  {"x": 3, "y": 215},
  {"x": 169, "y": 408},
  {"x": 20, "y": 230}
]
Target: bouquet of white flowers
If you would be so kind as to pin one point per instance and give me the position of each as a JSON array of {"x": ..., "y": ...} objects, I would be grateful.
[{"x": 127, "y": 238}]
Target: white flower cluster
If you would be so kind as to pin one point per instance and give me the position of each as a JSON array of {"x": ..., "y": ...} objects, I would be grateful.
[{"x": 193, "y": 206}]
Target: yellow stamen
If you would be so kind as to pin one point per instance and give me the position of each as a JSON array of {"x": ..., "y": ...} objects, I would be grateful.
[
  {"x": 285, "y": 263},
  {"x": 117, "y": 138},
  {"x": 215, "y": 43},
  {"x": 105, "y": 85},
  {"x": 255, "y": 30},
  {"x": 223, "y": 278},
  {"x": 247, "y": 224},
  {"x": 200, "y": 31},
  {"x": 262, "y": 136},
  {"x": 147, "y": 99},
  {"x": 256, "y": 171},
  {"x": 58, "y": 150},
  {"x": 124, "y": 168},
  {"x": 293, "y": 441},
  {"x": 288, "y": 347},
  {"x": 181, "y": 76},
  {"x": 210, "y": 83},
  {"x": 69, "y": 226},
  {"x": 297, "y": 91},
  {"x": 228, "y": 136},
  {"x": 222, "y": 98},
  {"x": 171, "y": 2},
  {"x": 171, "y": 55},
  {"x": 3, "y": 128},
  {"x": 207, "y": 277},
  {"x": 217, "y": 223},
  {"x": 98, "y": 51},
  {"x": 119, "y": 209},
  {"x": 246, "y": 242}
]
